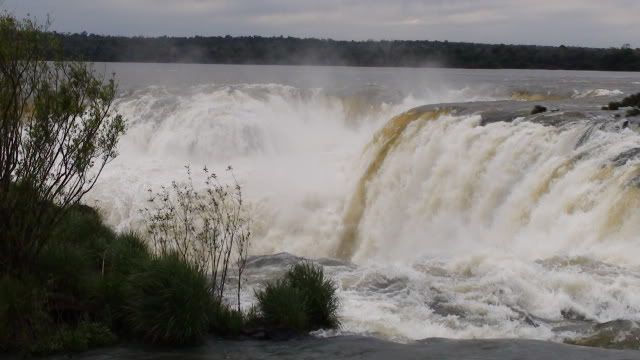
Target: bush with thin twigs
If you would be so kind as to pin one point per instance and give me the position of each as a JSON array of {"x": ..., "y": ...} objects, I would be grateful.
[{"x": 209, "y": 228}]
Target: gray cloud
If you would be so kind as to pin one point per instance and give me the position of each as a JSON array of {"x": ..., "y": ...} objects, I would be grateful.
[{"x": 548, "y": 22}]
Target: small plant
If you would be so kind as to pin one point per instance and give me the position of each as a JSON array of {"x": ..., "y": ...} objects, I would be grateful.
[
  {"x": 282, "y": 306},
  {"x": 303, "y": 300},
  {"x": 169, "y": 302},
  {"x": 320, "y": 298}
]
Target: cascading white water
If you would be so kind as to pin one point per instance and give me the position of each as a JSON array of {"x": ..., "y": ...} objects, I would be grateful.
[
  {"x": 494, "y": 231},
  {"x": 458, "y": 229},
  {"x": 293, "y": 149},
  {"x": 451, "y": 186}
]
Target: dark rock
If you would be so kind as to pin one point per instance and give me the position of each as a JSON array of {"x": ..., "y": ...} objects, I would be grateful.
[
  {"x": 571, "y": 314},
  {"x": 529, "y": 321},
  {"x": 538, "y": 109},
  {"x": 625, "y": 156}
]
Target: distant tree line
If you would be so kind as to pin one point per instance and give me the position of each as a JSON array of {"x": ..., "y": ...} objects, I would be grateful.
[{"x": 296, "y": 51}]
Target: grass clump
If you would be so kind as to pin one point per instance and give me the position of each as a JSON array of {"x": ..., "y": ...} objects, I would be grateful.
[
  {"x": 319, "y": 293},
  {"x": 303, "y": 300},
  {"x": 225, "y": 321},
  {"x": 282, "y": 306},
  {"x": 168, "y": 303}
]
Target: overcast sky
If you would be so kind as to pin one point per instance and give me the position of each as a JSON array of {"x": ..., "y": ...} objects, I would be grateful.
[{"x": 598, "y": 23}]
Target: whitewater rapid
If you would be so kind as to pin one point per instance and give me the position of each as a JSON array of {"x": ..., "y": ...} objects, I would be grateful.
[{"x": 451, "y": 227}]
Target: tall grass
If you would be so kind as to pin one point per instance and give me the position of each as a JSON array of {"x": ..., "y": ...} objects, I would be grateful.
[{"x": 319, "y": 294}]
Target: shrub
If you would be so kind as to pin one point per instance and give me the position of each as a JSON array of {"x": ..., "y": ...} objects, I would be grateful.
[
  {"x": 82, "y": 226},
  {"x": 303, "y": 300},
  {"x": 72, "y": 283},
  {"x": 225, "y": 321},
  {"x": 126, "y": 255},
  {"x": 169, "y": 302},
  {"x": 282, "y": 306},
  {"x": 320, "y": 299}
]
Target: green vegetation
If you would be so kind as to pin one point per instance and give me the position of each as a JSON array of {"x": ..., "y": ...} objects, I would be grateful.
[
  {"x": 62, "y": 304},
  {"x": 303, "y": 300},
  {"x": 168, "y": 302},
  {"x": 58, "y": 132},
  {"x": 632, "y": 102},
  {"x": 68, "y": 282},
  {"x": 281, "y": 306},
  {"x": 295, "y": 51}
]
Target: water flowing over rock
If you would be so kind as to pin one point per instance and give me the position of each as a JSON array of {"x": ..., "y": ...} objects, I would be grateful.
[{"x": 440, "y": 205}]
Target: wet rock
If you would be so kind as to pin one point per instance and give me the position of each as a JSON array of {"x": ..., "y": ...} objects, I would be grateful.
[
  {"x": 633, "y": 112},
  {"x": 529, "y": 321},
  {"x": 617, "y": 334},
  {"x": 281, "y": 260},
  {"x": 441, "y": 307},
  {"x": 625, "y": 156},
  {"x": 538, "y": 109},
  {"x": 572, "y": 314}
]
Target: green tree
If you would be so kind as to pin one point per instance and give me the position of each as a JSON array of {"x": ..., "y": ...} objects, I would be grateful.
[{"x": 58, "y": 130}]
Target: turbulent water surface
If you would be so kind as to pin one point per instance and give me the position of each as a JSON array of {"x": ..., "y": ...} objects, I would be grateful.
[{"x": 470, "y": 220}]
